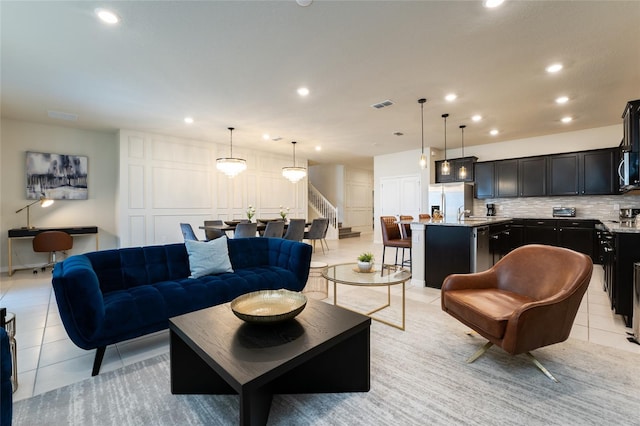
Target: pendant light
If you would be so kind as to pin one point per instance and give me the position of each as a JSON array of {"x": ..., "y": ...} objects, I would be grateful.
[
  {"x": 423, "y": 158},
  {"x": 294, "y": 174},
  {"x": 445, "y": 168},
  {"x": 462, "y": 172},
  {"x": 228, "y": 165}
]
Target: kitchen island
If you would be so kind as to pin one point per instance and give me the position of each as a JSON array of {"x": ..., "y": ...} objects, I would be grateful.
[{"x": 451, "y": 247}]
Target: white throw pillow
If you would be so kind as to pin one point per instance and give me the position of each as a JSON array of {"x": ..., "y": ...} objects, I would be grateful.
[{"x": 208, "y": 257}]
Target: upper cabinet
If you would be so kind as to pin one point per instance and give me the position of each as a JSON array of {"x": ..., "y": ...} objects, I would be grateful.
[
  {"x": 456, "y": 164},
  {"x": 575, "y": 173},
  {"x": 532, "y": 173}
]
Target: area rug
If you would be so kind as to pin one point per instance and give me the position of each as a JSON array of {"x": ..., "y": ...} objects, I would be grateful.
[{"x": 418, "y": 377}]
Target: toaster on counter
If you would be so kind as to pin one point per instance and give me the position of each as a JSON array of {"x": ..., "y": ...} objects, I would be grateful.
[{"x": 564, "y": 212}]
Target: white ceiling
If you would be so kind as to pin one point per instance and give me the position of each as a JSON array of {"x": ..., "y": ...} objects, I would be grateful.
[{"x": 239, "y": 63}]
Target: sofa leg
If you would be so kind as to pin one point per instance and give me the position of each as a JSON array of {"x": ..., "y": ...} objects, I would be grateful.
[{"x": 97, "y": 362}]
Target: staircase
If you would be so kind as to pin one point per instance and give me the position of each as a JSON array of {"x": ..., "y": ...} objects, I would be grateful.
[
  {"x": 346, "y": 232},
  {"x": 324, "y": 208}
]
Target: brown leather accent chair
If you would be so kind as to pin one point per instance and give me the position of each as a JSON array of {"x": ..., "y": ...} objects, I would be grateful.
[
  {"x": 392, "y": 237},
  {"x": 529, "y": 299}
]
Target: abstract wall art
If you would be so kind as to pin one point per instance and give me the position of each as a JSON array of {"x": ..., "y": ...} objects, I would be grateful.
[{"x": 56, "y": 176}]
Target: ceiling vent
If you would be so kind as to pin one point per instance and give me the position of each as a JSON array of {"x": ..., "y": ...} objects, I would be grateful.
[
  {"x": 382, "y": 104},
  {"x": 59, "y": 115},
  {"x": 276, "y": 138}
]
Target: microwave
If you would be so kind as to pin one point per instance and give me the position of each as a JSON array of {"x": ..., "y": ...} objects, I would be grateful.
[{"x": 628, "y": 171}]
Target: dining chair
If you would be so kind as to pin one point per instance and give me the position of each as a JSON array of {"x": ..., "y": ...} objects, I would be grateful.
[
  {"x": 212, "y": 234},
  {"x": 187, "y": 232},
  {"x": 295, "y": 230},
  {"x": 245, "y": 230},
  {"x": 51, "y": 242},
  {"x": 274, "y": 229},
  {"x": 318, "y": 231}
]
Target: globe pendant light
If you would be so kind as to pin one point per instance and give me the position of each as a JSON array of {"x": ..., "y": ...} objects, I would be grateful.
[
  {"x": 462, "y": 172},
  {"x": 423, "y": 158},
  {"x": 231, "y": 166},
  {"x": 445, "y": 168},
  {"x": 294, "y": 174}
]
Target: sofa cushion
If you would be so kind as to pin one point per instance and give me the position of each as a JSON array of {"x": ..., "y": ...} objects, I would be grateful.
[{"x": 208, "y": 257}]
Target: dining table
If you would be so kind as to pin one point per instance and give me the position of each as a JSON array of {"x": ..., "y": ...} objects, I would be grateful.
[{"x": 230, "y": 227}]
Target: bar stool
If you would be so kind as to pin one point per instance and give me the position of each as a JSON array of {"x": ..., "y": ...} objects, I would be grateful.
[{"x": 317, "y": 286}]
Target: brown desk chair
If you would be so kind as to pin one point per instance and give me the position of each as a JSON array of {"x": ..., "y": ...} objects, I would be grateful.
[
  {"x": 405, "y": 228},
  {"x": 529, "y": 299},
  {"x": 51, "y": 242},
  {"x": 391, "y": 237},
  {"x": 212, "y": 234}
]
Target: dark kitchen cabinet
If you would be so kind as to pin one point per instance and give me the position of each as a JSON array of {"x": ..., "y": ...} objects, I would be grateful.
[
  {"x": 532, "y": 174},
  {"x": 564, "y": 174},
  {"x": 598, "y": 172},
  {"x": 447, "y": 251},
  {"x": 541, "y": 231},
  {"x": 484, "y": 175},
  {"x": 626, "y": 251},
  {"x": 506, "y": 178},
  {"x": 578, "y": 235},
  {"x": 456, "y": 164},
  {"x": 516, "y": 233}
]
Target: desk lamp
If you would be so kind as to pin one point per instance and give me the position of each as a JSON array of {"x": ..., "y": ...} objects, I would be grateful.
[{"x": 44, "y": 202}]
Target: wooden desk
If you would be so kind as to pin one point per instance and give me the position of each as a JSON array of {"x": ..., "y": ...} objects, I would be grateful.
[{"x": 20, "y": 233}]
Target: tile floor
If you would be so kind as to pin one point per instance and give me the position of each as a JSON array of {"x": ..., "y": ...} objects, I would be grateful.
[{"x": 47, "y": 359}]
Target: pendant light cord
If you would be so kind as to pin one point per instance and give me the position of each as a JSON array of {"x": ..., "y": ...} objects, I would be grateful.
[
  {"x": 445, "y": 135},
  {"x": 462, "y": 126},
  {"x": 230, "y": 142}
]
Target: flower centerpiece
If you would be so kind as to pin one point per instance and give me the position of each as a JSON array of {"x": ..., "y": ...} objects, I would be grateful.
[
  {"x": 250, "y": 212},
  {"x": 284, "y": 212},
  {"x": 365, "y": 261}
]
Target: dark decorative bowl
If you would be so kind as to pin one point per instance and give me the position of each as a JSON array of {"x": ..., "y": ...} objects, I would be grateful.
[
  {"x": 269, "y": 220},
  {"x": 268, "y": 306},
  {"x": 231, "y": 222}
]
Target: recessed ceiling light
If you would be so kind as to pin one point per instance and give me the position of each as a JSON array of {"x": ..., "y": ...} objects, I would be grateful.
[
  {"x": 303, "y": 91},
  {"x": 304, "y": 3},
  {"x": 476, "y": 117},
  {"x": 562, "y": 100},
  {"x": 318, "y": 148},
  {"x": 266, "y": 136},
  {"x": 188, "y": 120},
  {"x": 107, "y": 16},
  {"x": 490, "y": 4},
  {"x": 451, "y": 97},
  {"x": 566, "y": 119},
  {"x": 494, "y": 132},
  {"x": 553, "y": 68}
]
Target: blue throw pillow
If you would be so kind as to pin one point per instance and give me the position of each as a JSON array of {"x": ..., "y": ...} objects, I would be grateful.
[{"x": 207, "y": 258}]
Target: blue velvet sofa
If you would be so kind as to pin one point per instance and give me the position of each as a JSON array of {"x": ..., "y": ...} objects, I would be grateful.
[
  {"x": 106, "y": 297},
  {"x": 6, "y": 391}
]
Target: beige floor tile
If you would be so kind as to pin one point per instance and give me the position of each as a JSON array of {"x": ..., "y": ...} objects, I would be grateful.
[
  {"x": 614, "y": 340},
  {"x": 579, "y": 332},
  {"x": 58, "y": 351},
  {"x": 26, "y": 382}
]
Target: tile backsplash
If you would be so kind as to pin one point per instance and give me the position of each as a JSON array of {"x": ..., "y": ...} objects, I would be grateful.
[{"x": 603, "y": 207}]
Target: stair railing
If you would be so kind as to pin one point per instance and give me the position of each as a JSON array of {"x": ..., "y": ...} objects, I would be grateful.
[{"x": 324, "y": 208}]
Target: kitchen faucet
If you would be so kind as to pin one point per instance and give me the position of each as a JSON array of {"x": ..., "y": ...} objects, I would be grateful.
[{"x": 462, "y": 212}]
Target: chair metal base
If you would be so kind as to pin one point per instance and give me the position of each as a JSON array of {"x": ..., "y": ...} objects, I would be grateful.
[{"x": 533, "y": 359}]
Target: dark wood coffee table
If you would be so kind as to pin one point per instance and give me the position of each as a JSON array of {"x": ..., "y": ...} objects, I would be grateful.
[{"x": 324, "y": 349}]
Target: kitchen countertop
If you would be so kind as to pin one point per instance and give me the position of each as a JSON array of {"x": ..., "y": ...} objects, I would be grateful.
[{"x": 476, "y": 221}]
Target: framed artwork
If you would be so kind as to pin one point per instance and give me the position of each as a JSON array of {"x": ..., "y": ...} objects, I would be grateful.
[{"x": 56, "y": 176}]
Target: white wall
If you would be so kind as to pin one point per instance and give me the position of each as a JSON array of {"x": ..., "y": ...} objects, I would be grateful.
[
  {"x": 18, "y": 137},
  {"x": 166, "y": 180}
]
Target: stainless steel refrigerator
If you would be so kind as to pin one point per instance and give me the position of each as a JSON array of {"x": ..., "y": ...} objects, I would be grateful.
[{"x": 449, "y": 197}]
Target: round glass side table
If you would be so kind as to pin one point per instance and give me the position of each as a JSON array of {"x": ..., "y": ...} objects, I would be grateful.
[{"x": 10, "y": 327}]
